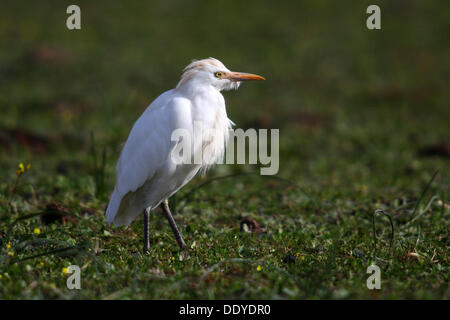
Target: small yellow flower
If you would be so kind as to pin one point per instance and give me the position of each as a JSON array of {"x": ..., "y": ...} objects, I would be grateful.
[
  {"x": 258, "y": 268},
  {"x": 8, "y": 246},
  {"x": 36, "y": 231},
  {"x": 1, "y": 277},
  {"x": 302, "y": 258},
  {"x": 173, "y": 258},
  {"x": 22, "y": 169},
  {"x": 41, "y": 263},
  {"x": 11, "y": 253},
  {"x": 65, "y": 270},
  {"x": 364, "y": 188}
]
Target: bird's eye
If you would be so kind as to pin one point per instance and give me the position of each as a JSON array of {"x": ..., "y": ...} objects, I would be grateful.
[{"x": 218, "y": 74}]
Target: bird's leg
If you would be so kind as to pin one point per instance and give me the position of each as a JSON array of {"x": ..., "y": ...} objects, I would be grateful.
[
  {"x": 147, "y": 230},
  {"x": 173, "y": 225}
]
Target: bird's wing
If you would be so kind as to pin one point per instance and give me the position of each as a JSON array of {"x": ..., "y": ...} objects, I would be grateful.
[{"x": 149, "y": 145}]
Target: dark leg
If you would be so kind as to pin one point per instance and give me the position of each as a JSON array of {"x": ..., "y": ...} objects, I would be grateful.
[
  {"x": 146, "y": 230},
  {"x": 173, "y": 225}
]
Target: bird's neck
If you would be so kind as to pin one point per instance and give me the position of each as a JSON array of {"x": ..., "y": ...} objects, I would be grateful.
[{"x": 193, "y": 89}]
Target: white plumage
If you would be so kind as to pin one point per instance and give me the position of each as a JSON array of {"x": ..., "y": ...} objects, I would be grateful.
[{"x": 147, "y": 174}]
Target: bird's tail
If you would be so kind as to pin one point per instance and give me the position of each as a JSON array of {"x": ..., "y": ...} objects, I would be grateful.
[
  {"x": 113, "y": 206},
  {"x": 122, "y": 210}
]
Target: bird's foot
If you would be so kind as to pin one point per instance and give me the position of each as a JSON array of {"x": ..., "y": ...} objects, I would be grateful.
[{"x": 182, "y": 245}]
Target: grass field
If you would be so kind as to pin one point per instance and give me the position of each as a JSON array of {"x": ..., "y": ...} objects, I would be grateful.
[{"x": 364, "y": 125}]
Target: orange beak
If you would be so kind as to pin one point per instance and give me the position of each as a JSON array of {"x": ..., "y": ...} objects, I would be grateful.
[{"x": 242, "y": 76}]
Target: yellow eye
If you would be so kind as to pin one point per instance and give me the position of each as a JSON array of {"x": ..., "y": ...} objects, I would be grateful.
[{"x": 218, "y": 74}]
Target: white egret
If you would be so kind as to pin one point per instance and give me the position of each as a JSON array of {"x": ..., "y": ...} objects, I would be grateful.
[{"x": 147, "y": 174}]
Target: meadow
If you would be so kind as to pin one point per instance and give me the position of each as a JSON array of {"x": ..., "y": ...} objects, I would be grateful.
[{"x": 364, "y": 126}]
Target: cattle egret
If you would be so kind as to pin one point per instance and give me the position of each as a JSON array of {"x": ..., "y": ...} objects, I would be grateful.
[{"x": 147, "y": 174}]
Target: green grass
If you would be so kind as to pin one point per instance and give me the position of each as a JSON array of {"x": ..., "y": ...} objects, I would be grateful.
[{"x": 355, "y": 108}]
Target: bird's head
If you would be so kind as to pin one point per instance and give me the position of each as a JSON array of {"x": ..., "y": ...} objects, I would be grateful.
[{"x": 212, "y": 72}]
